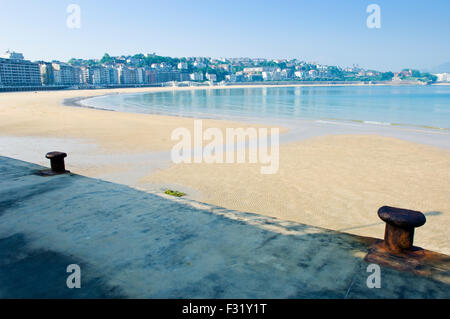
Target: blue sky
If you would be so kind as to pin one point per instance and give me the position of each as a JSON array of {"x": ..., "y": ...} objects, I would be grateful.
[{"x": 412, "y": 34}]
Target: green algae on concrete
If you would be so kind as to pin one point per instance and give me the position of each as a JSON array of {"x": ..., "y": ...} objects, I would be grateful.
[{"x": 174, "y": 193}]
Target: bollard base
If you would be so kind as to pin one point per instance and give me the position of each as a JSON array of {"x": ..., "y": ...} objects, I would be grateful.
[
  {"x": 416, "y": 260},
  {"x": 398, "y": 239},
  {"x": 49, "y": 172}
]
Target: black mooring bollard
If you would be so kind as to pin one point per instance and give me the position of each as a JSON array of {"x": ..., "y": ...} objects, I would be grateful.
[
  {"x": 400, "y": 224},
  {"x": 57, "y": 161}
]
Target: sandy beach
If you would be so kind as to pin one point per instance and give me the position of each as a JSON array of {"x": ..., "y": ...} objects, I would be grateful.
[
  {"x": 332, "y": 181},
  {"x": 41, "y": 114}
]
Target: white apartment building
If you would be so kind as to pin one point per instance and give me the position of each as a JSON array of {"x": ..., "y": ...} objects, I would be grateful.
[
  {"x": 140, "y": 75},
  {"x": 225, "y": 67},
  {"x": 18, "y": 72},
  {"x": 63, "y": 74},
  {"x": 46, "y": 70},
  {"x": 273, "y": 76},
  {"x": 110, "y": 75},
  {"x": 300, "y": 74},
  {"x": 127, "y": 75},
  {"x": 231, "y": 77},
  {"x": 211, "y": 77},
  {"x": 267, "y": 76},
  {"x": 199, "y": 65},
  {"x": 78, "y": 75},
  {"x": 443, "y": 77},
  {"x": 93, "y": 75},
  {"x": 96, "y": 76},
  {"x": 165, "y": 66},
  {"x": 260, "y": 69},
  {"x": 197, "y": 76},
  {"x": 321, "y": 67},
  {"x": 182, "y": 66},
  {"x": 284, "y": 74}
]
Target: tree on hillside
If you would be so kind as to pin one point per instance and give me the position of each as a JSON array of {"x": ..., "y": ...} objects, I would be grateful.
[
  {"x": 106, "y": 59},
  {"x": 428, "y": 77},
  {"x": 387, "y": 76},
  {"x": 416, "y": 73}
]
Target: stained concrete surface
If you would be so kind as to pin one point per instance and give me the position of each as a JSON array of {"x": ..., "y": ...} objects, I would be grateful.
[{"x": 133, "y": 244}]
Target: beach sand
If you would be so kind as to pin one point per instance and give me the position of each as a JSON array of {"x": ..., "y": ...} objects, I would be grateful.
[
  {"x": 41, "y": 114},
  {"x": 335, "y": 181}
]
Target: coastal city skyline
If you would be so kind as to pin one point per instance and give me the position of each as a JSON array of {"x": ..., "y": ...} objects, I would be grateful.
[
  {"x": 151, "y": 69},
  {"x": 327, "y": 32}
]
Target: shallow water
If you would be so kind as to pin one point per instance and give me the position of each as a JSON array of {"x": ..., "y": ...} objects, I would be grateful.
[{"x": 422, "y": 106}]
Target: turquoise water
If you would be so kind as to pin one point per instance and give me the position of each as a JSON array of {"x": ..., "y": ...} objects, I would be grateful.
[{"x": 425, "y": 106}]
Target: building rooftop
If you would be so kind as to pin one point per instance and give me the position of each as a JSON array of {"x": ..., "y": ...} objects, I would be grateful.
[
  {"x": 134, "y": 244},
  {"x": 12, "y": 55}
]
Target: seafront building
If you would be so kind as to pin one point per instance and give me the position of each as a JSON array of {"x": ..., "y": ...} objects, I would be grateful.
[
  {"x": 127, "y": 75},
  {"x": 197, "y": 76},
  {"x": 60, "y": 74},
  {"x": 63, "y": 74},
  {"x": 15, "y": 71},
  {"x": 199, "y": 65},
  {"x": 112, "y": 75},
  {"x": 211, "y": 77},
  {"x": 46, "y": 70},
  {"x": 182, "y": 66},
  {"x": 93, "y": 75},
  {"x": 443, "y": 77}
]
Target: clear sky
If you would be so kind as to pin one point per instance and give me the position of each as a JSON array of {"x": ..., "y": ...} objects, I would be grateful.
[{"x": 413, "y": 33}]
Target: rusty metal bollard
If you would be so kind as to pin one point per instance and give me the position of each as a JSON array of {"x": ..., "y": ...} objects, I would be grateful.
[
  {"x": 57, "y": 161},
  {"x": 396, "y": 251},
  {"x": 400, "y": 224}
]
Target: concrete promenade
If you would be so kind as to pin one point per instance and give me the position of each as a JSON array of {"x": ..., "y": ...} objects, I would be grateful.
[{"x": 132, "y": 244}]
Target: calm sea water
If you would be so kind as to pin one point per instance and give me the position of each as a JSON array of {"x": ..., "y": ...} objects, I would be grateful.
[{"x": 425, "y": 106}]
